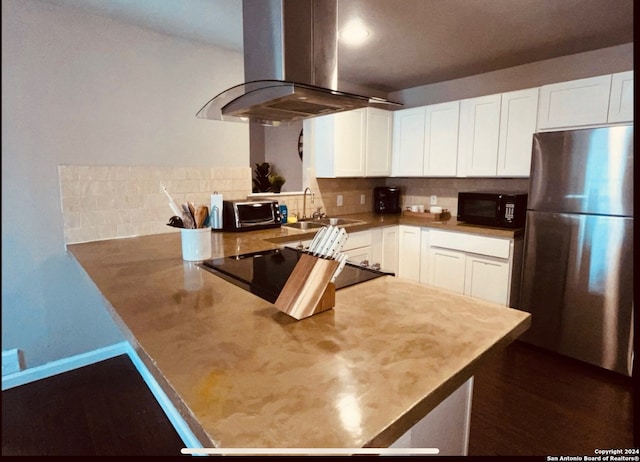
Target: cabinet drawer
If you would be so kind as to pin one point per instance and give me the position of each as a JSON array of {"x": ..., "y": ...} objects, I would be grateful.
[
  {"x": 357, "y": 240},
  {"x": 471, "y": 243}
]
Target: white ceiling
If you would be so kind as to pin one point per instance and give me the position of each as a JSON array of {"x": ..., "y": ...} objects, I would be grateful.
[{"x": 413, "y": 42}]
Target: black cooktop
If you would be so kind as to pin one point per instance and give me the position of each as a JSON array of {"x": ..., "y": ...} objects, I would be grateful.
[{"x": 265, "y": 273}]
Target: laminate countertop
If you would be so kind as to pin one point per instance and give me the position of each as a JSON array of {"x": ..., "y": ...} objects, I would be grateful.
[{"x": 243, "y": 374}]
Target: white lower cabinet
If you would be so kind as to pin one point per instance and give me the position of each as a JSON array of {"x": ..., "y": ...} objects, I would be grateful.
[
  {"x": 482, "y": 267},
  {"x": 446, "y": 269},
  {"x": 385, "y": 248},
  {"x": 487, "y": 278},
  {"x": 473, "y": 265},
  {"x": 409, "y": 250},
  {"x": 446, "y": 427},
  {"x": 359, "y": 248}
]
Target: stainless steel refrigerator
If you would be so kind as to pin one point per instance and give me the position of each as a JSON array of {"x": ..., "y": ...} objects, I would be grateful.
[{"x": 577, "y": 280}]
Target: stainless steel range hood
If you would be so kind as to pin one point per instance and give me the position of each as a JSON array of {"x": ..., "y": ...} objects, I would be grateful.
[{"x": 290, "y": 66}]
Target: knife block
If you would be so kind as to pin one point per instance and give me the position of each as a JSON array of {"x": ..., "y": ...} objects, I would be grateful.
[{"x": 309, "y": 289}]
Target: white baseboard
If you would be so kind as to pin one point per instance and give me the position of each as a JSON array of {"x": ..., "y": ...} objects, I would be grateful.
[
  {"x": 10, "y": 361},
  {"x": 63, "y": 365},
  {"x": 101, "y": 354}
]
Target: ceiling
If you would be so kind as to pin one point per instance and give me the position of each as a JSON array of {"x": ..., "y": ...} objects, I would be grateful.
[{"x": 412, "y": 42}]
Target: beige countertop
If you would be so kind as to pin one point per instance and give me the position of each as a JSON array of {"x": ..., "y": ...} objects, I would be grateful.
[
  {"x": 243, "y": 374},
  {"x": 371, "y": 220}
]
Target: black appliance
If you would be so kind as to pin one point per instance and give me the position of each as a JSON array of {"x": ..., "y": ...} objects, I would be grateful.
[
  {"x": 265, "y": 273},
  {"x": 386, "y": 199},
  {"x": 493, "y": 208},
  {"x": 250, "y": 215}
]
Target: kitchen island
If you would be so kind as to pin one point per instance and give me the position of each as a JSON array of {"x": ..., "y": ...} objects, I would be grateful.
[{"x": 242, "y": 374}]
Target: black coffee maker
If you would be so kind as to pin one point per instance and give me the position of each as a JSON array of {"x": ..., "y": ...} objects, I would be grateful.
[{"x": 386, "y": 199}]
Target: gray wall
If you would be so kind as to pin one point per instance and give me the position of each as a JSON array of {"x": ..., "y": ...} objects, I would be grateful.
[
  {"x": 572, "y": 67},
  {"x": 578, "y": 66},
  {"x": 79, "y": 89}
]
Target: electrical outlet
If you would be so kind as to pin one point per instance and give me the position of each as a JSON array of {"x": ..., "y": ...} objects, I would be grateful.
[
  {"x": 339, "y": 200},
  {"x": 434, "y": 200},
  {"x": 363, "y": 199}
]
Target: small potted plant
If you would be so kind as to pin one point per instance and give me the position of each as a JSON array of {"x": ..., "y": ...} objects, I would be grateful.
[
  {"x": 276, "y": 182},
  {"x": 261, "y": 182}
]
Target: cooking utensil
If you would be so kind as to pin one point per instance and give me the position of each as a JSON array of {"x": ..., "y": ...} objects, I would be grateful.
[
  {"x": 316, "y": 239},
  {"x": 336, "y": 245},
  {"x": 187, "y": 217},
  {"x": 329, "y": 242},
  {"x": 175, "y": 208},
  {"x": 201, "y": 213},
  {"x": 176, "y": 222},
  {"x": 342, "y": 259},
  {"x": 322, "y": 242}
]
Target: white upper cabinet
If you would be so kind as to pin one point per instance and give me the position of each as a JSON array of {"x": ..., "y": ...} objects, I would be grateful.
[
  {"x": 518, "y": 117},
  {"x": 353, "y": 143},
  {"x": 408, "y": 141},
  {"x": 574, "y": 103},
  {"x": 379, "y": 128},
  {"x": 479, "y": 136},
  {"x": 426, "y": 140},
  {"x": 441, "y": 139},
  {"x": 621, "y": 99}
]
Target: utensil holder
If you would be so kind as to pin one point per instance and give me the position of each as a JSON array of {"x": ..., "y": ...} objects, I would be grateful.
[{"x": 309, "y": 289}]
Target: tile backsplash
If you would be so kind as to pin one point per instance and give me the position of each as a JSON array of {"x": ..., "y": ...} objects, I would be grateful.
[
  {"x": 105, "y": 202},
  {"x": 418, "y": 191}
]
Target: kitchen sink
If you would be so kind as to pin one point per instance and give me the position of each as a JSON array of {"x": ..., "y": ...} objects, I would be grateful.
[
  {"x": 320, "y": 222},
  {"x": 304, "y": 225},
  {"x": 338, "y": 221}
]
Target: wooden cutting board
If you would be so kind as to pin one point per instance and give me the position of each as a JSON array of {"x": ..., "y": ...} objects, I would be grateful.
[{"x": 308, "y": 290}]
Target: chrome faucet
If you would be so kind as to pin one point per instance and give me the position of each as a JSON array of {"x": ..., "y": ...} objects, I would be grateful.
[{"x": 304, "y": 202}]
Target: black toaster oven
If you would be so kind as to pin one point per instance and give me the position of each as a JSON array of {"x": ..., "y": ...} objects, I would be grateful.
[{"x": 250, "y": 215}]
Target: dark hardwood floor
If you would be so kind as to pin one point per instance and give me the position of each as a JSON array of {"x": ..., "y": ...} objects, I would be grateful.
[
  {"x": 101, "y": 409},
  {"x": 527, "y": 402},
  {"x": 531, "y": 402}
]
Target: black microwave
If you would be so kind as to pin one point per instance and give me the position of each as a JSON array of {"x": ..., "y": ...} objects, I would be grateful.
[
  {"x": 250, "y": 215},
  {"x": 493, "y": 208}
]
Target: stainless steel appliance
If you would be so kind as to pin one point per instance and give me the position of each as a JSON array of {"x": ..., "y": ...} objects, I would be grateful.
[
  {"x": 493, "y": 208},
  {"x": 250, "y": 215},
  {"x": 290, "y": 66},
  {"x": 265, "y": 273},
  {"x": 386, "y": 199},
  {"x": 578, "y": 257}
]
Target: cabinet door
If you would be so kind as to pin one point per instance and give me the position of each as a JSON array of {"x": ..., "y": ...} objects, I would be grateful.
[
  {"x": 479, "y": 136},
  {"x": 390, "y": 245},
  {"x": 621, "y": 99},
  {"x": 409, "y": 253},
  {"x": 424, "y": 255},
  {"x": 349, "y": 146},
  {"x": 487, "y": 278},
  {"x": 574, "y": 103},
  {"x": 360, "y": 256},
  {"x": 378, "y": 142},
  {"x": 446, "y": 269},
  {"x": 408, "y": 142},
  {"x": 441, "y": 139},
  {"x": 518, "y": 116}
]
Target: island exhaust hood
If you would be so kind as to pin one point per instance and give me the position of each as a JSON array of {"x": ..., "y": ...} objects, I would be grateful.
[{"x": 290, "y": 66}]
